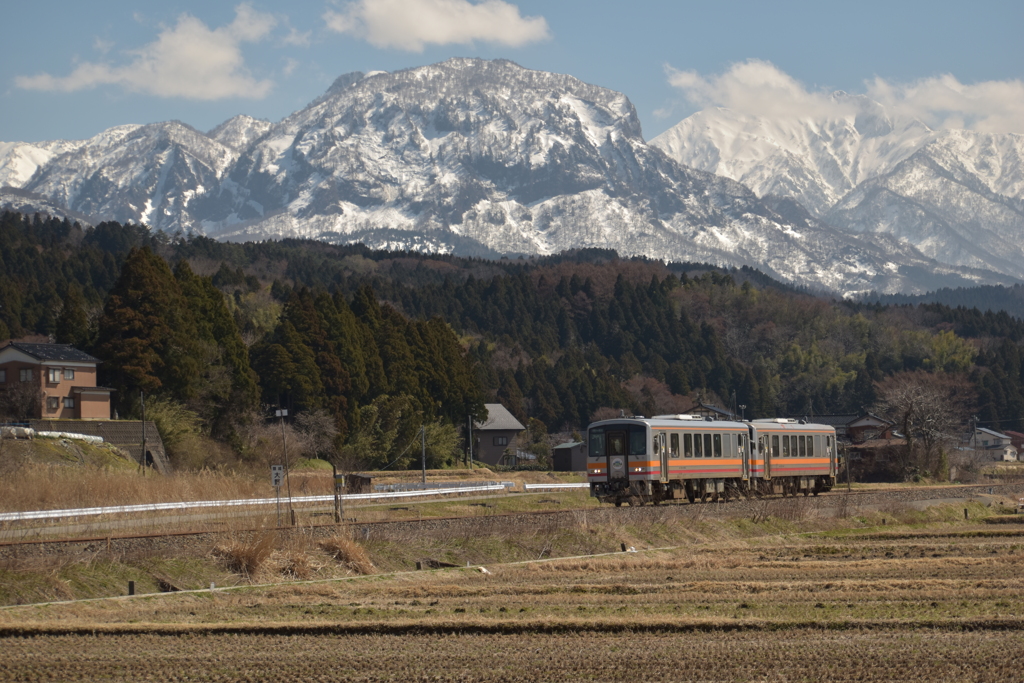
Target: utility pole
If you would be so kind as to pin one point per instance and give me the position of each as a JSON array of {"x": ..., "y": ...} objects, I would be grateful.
[
  {"x": 423, "y": 453},
  {"x": 142, "y": 458},
  {"x": 742, "y": 408},
  {"x": 283, "y": 413},
  {"x": 469, "y": 445}
]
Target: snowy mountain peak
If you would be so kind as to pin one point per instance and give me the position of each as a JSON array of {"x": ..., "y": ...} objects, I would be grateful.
[
  {"x": 816, "y": 160},
  {"x": 488, "y": 158},
  {"x": 239, "y": 132}
]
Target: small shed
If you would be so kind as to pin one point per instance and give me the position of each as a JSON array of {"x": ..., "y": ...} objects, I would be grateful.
[
  {"x": 359, "y": 483},
  {"x": 570, "y": 457}
]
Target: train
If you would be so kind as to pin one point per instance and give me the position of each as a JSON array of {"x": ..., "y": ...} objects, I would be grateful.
[{"x": 638, "y": 460}]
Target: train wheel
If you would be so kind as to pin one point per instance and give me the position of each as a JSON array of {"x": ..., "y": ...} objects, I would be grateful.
[
  {"x": 618, "y": 503},
  {"x": 807, "y": 492},
  {"x": 690, "y": 497}
]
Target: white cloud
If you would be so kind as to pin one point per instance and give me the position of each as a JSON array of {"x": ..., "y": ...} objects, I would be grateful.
[
  {"x": 187, "y": 60},
  {"x": 945, "y": 102},
  {"x": 413, "y": 24},
  {"x": 759, "y": 88}
]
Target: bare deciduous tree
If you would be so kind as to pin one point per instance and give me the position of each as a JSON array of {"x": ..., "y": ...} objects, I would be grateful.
[
  {"x": 20, "y": 401},
  {"x": 930, "y": 411},
  {"x": 318, "y": 432}
]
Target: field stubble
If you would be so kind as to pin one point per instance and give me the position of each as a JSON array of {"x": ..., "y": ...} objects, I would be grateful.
[{"x": 788, "y": 595}]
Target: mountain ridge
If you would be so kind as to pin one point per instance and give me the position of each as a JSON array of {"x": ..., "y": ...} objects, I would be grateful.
[{"x": 485, "y": 157}]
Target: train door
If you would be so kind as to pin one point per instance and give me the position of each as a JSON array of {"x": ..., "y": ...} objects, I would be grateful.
[
  {"x": 830, "y": 448},
  {"x": 743, "y": 448},
  {"x": 616, "y": 448},
  {"x": 661, "y": 448},
  {"x": 764, "y": 449}
]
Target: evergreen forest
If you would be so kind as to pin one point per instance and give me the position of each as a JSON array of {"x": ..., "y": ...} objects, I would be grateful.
[{"x": 363, "y": 348}]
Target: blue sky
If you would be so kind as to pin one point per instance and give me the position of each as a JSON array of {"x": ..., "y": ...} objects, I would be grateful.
[{"x": 72, "y": 69}]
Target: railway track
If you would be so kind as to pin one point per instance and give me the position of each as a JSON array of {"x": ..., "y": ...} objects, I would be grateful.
[{"x": 370, "y": 529}]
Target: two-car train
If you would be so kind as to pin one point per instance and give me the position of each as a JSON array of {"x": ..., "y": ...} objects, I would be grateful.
[{"x": 639, "y": 460}]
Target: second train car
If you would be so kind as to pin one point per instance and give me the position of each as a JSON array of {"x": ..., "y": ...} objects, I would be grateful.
[{"x": 638, "y": 460}]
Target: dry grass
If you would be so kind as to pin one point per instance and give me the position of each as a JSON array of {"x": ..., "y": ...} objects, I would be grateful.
[
  {"x": 349, "y": 553},
  {"x": 56, "y": 487},
  {"x": 247, "y": 557}
]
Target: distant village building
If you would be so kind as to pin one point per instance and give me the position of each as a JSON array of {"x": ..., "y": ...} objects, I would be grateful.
[
  {"x": 714, "y": 412},
  {"x": 1017, "y": 439},
  {"x": 570, "y": 457},
  {"x": 493, "y": 436},
  {"x": 58, "y": 380},
  {"x": 997, "y": 445}
]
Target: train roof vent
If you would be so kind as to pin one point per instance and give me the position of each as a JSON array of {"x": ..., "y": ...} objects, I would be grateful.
[
  {"x": 777, "y": 420},
  {"x": 678, "y": 417}
]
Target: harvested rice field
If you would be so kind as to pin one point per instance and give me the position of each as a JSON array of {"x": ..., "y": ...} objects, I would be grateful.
[{"x": 924, "y": 596}]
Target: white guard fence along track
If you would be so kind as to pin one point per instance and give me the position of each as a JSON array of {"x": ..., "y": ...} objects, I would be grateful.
[
  {"x": 156, "y": 507},
  {"x": 541, "y": 487}
]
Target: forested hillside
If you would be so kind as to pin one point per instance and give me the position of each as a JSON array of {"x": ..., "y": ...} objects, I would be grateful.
[{"x": 372, "y": 345}]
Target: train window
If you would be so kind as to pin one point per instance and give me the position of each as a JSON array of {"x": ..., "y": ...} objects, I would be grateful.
[
  {"x": 698, "y": 446},
  {"x": 707, "y": 445},
  {"x": 596, "y": 443},
  {"x": 656, "y": 446},
  {"x": 803, "y": 447},
  {"x": 785, "y": 446},
  {"x": 718, "y": 445},
  {"x": 687, "y": 445},
  {"x": 810, "y": 446},
  {"x": 638, "y": 441},
  {"x": 673, "y": 446},
  {"x": 616, "y": 444},
  {"x": 775, "y": 446},
  {"x": 739, "y": 441}
]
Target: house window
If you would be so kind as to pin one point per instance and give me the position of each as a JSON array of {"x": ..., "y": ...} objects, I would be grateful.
[
  {"x": 25, "y": 374},
  {"x": 69, "y": 402},
  {"x": 52, "y": 403},
  {"x": 69, "y": 373},
  {"x": 54, "y": 375},
  {"x": 501, "y": 441}
]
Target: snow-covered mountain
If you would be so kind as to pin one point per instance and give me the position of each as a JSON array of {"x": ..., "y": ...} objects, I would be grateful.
[
  {"x": 955, "y": 195},
  {"x": 472, "y": 157},
  {"x": 240, "y": 131},
  {"x": 20, "y": 160},
  {"x": 146, "y": 174}
]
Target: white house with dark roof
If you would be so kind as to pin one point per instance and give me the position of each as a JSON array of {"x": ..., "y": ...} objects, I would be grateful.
[
  {"x": 497, "y": 433},
  {"x": 998, "y": 444},
  {"x": 58, "y": 380}
]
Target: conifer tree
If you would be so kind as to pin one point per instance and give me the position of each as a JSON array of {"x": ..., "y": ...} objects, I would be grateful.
[{"x": 147, "y": 335}]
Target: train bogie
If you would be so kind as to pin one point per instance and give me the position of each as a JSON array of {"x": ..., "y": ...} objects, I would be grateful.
[{"x": 671, "y": 457}]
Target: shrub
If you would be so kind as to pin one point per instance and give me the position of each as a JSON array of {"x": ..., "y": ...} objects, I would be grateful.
[
  {"x": 348, "y": 552},
  {"x": 246, "y": 557}
]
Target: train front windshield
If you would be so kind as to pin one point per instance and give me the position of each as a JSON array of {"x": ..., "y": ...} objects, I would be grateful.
[{"x": 618, "y": 440}]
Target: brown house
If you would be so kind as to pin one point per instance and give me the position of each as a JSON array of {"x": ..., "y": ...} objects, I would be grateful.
[
  {"x": 495, "y": 435},
  {"x": 53, "y": 382}
]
